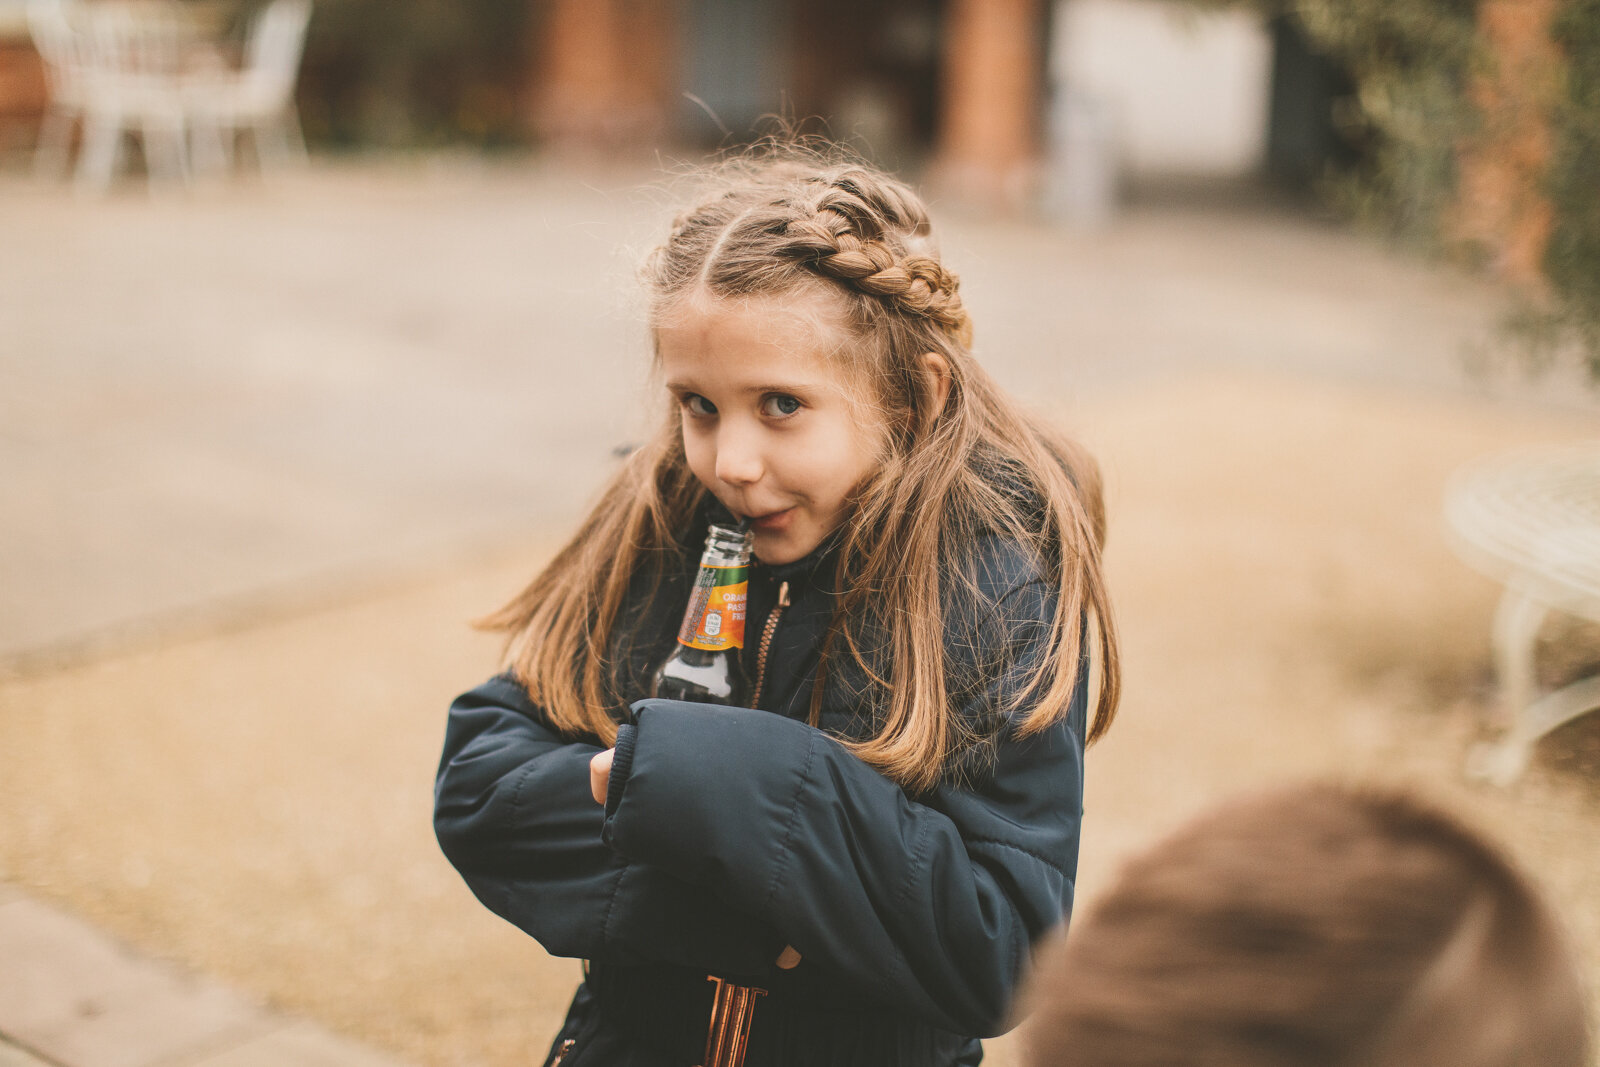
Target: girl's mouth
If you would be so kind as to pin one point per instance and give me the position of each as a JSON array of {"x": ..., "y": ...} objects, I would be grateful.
[{"x": 772, "y": 521}]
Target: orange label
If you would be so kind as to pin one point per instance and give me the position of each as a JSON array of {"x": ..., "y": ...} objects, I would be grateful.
[{"x": 715, "y": 619}]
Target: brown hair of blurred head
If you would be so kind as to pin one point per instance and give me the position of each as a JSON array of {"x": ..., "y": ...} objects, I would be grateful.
[{"x": 1317, "y": 925}]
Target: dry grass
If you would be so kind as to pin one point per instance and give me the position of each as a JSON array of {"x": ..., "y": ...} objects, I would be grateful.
[{"x": 257, "y": 805}]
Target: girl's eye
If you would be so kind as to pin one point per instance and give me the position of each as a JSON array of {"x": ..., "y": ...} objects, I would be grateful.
[
  {"x": 779, "y": 406},
  {"x": 698, "y": 405}
]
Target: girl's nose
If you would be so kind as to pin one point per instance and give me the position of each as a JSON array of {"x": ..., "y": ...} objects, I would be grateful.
[{"x": 738, "y": 457}]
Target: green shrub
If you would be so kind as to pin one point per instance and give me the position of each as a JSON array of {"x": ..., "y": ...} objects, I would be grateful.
[
  {"x": 1413, "y": 62},
  {"x": 1572, "y": 259}
]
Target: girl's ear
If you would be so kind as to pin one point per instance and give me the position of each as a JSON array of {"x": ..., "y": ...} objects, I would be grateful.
[{"x": 938, "y": 381}]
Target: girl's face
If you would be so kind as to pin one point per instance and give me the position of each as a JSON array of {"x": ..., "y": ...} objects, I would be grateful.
[{"x": 773, "y": 425}]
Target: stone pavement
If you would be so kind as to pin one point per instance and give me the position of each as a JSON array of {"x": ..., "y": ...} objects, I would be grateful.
[{"x": 72, "y": 997}]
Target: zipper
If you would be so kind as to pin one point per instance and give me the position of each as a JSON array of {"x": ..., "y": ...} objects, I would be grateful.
[
  {"x": 766, "y": 641},
  {"x": 561, "y": 1053}
]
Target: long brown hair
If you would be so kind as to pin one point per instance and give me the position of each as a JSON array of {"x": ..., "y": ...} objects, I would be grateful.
[
  {"x": 1314, "y": 926},
  {"x": 787, "y": 223}
]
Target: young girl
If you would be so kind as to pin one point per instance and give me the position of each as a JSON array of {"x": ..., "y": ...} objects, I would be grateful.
[{"x": 855, "y": 871}]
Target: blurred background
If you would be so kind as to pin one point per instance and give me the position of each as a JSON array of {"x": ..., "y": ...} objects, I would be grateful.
[{"x": 319, "y": 329}]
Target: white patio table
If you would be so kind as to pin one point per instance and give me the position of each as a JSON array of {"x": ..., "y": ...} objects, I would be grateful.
[{"x": 1531, "y": 520}]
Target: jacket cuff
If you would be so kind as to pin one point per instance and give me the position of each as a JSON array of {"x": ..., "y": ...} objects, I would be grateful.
[
  {"x": 621, "y": 766},
  {"x": 713, "y": 795}
]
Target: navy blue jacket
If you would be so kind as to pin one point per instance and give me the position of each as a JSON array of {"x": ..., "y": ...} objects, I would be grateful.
[{"x": 730, "y": 833}]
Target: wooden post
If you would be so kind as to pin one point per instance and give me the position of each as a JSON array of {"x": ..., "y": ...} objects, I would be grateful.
[
  {"x": 1500, "y": 206},
  {"x": 988, "y": 141},
  {"x": 23, "y": 95},
  {"x": 603, "y": 72}
]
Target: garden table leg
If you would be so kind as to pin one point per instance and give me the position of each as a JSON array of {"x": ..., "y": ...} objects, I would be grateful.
[{"x": 1516, "y": 627}]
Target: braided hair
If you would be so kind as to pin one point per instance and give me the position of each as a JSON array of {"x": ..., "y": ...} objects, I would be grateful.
[{"x": 844, "y": 223}]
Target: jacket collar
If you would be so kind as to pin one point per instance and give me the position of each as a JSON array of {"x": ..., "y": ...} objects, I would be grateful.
[{"x": 806, "y": 566}]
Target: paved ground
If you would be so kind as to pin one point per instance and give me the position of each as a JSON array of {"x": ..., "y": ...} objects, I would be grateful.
[
  {"x": 244, "y": 433},
  {"x": 70, "y": 996}
]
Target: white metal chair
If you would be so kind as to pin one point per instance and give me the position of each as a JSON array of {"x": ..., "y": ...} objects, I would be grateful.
[
  {"x": 134, "y": 84},
  {"x": 61, "y": 46},
  {"x": 1531, "y": 520},
  {"x": 259, "y": 97},
  {"x": 117, "y": 68}
]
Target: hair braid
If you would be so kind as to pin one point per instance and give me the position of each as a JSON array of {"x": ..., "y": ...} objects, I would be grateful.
[{"x": 847, "y": 237}]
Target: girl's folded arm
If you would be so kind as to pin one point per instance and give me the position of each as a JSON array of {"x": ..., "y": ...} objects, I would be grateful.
[
  {"x": 514, "y": 814},
  {"x": 930, "y": 903}
]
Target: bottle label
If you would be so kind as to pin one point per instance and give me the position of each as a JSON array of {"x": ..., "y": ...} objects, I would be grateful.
[{"x": 715, "y": 619}]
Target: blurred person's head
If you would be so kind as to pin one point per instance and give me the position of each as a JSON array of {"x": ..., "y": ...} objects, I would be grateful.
[{"x": 1314, "y": 926}]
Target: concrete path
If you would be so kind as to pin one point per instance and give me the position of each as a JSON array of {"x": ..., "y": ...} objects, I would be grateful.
[{"x": 72, "y": 997}]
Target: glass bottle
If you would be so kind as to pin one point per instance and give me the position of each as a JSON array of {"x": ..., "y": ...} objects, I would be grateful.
[{"x": 707, "y": 666}]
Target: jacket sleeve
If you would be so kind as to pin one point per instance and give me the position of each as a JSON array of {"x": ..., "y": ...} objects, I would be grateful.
[
  {"x": 931, "y": 904},
  {"x": 514, "y": 814}
]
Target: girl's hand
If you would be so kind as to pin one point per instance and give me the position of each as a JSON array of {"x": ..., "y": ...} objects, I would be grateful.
[{"x": 600, "y": 775}]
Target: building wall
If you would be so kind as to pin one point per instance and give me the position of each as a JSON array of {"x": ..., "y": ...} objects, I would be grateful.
[{"x": 1186, "y": 92}]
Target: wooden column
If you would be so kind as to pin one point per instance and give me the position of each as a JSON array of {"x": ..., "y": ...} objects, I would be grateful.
[
  {"x": 603, "y": 72},
  {"x": 1500, "y": 206},
  {"x": 991, "y": 93},
  {"x": 23, "y": 95}
]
